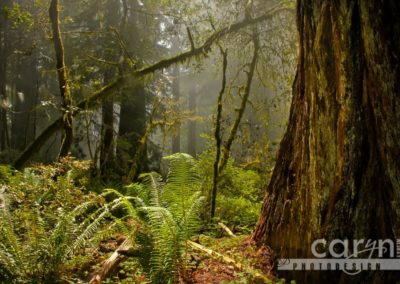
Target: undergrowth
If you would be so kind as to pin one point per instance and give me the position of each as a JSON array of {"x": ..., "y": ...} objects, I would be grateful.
[{"x": 51, "y": 223}]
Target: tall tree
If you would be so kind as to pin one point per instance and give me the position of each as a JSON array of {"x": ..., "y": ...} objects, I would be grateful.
[
  {"x": 107, "y": 149},
  {"x": 66, "y": 99},
  {"x": 132, "y": 124},
  {"x": 337, "y": 174}
]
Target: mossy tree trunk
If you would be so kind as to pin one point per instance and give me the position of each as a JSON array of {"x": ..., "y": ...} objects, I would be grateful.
[
  {"x": 338, "y": 172},
  {"x": 66, "y": 99}
]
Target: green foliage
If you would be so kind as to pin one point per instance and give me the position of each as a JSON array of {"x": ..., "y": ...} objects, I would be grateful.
[
  {"x": 44, "y": 234},
  {"x": 239, "y": 192},
  {"x": 42, "y": 229},
  {"x": 169, "y": 211},
  {"x": 18, "y": 16}
]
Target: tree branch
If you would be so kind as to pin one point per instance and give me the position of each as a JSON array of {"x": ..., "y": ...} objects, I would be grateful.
[
  {"x": 93, "y": 100},
  {"x": 234, "y": 129}
]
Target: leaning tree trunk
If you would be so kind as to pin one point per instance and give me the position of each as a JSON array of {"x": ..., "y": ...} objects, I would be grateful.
[{"x": 338, "y": 172}]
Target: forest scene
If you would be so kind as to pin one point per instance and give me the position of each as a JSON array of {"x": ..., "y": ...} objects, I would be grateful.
[{"x": 199, "y": 141}]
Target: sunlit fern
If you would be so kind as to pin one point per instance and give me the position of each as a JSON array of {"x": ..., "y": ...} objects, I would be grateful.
[
  {"x": 169, "y": 215},
  {"x": 37, "y": 244},
  {"x": 172, "y": 216}
]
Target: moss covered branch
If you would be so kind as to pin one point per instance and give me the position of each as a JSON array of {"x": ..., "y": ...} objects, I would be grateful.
[
  {"x": 66, "y": 100},
  {"x": 250, "y": 74},
  {"x": 94, "y": 99}
]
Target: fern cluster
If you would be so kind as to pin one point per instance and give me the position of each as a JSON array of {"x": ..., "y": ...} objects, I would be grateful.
[
  {"x": 47, "y": 221},
  {"x": 169, "y": 213},
  {"x": 42, "y": 228}
]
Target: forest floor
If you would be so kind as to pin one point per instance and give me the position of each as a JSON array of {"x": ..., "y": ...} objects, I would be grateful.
[
  {"x": 250, "y": 262},
  {"x": 233, "y": 260}
]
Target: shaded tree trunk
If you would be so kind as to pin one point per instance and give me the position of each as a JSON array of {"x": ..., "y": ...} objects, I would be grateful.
[
  {"x": 107, "y": 148},
  {"x": 132, "y": 127},
  {"x": 107, "y": 142},
  {"x": 337, "y": 174},
  {"x": 23, "y": 121}
]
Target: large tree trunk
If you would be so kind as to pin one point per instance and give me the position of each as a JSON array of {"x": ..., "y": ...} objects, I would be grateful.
[
  {"x": 107, "y": 148},
  {"x": 132, "y": 124},
  {"x": 132, "y": 127},
  {"x": 337, "y": 174}
]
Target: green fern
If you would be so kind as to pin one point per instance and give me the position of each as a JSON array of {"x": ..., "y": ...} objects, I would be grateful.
[
  {"x": 167, "y": 213},
  {"x": 41, "y": 228},
  {"x": 172, "y": 217}
]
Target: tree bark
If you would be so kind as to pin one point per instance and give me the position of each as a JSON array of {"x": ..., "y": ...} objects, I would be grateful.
[
  {"x": 108, "y": 145},
  {"x": 62, "y": 80},
  {"x": 217, "y": 134},
  {"x": 132, "y": 127},
  {"x": 337, "y": 174}
]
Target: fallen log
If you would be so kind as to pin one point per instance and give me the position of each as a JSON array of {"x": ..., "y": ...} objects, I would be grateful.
[
  {"x": 226, "y": 229},
  {"x": 118, "y": 256},
  {"x": 226, "y": 259}
]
